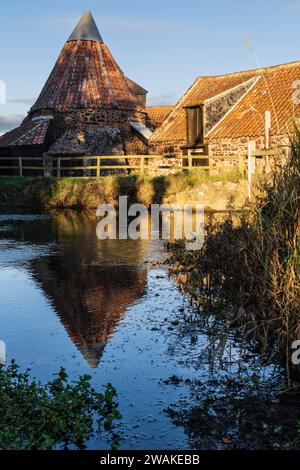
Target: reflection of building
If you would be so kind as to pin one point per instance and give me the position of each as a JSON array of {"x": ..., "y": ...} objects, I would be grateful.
[
  {"x": 88, "y": 289},
  {"x": 90, "y": 300}
]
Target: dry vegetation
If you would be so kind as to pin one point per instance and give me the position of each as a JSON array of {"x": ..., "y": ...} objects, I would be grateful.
[
  {"x": 249, "y": 270},
  {"x": 89, "y": 193}
]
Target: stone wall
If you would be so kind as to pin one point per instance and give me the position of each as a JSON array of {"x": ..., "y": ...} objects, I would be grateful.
[
  {"x": 216, "y": 108},
  {"x": 83, "y": 118},
  {"x": 163, "y": 166},
  {"x": 224, "y": 147},
  {"x": 239, "y": 146},
  {"x": 133, "y": 145},
  {"x": 167, "y": 150}
]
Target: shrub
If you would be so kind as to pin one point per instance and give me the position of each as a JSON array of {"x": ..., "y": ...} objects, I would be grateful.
[{"x": 59, "y": 413}]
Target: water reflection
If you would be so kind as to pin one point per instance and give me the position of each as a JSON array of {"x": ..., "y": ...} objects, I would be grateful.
[{"x": 90, "y": 283}]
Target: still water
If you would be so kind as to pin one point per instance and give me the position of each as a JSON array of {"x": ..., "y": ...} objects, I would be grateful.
[{"x": 102, "y": 308}]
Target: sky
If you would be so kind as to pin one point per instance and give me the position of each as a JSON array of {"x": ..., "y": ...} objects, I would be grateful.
[{"x": 162, "y": 44}]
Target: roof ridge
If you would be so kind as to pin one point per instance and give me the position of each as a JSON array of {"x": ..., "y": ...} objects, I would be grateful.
[
  {"x": 168, "y": 119},
  {"x": 28, "y": 132},
  {"x": 161, "y": 106},
  {"x": 287, "y": 64}
]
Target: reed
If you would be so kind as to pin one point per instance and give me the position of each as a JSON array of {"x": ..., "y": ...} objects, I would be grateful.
[{"x": 249, "y": 267}]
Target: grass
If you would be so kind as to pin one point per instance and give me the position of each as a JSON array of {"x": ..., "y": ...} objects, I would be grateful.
[
  {"x": 89, "y": 193},
  {"x": 249, "y": 269},
  {"x": 58, "y": 414}
]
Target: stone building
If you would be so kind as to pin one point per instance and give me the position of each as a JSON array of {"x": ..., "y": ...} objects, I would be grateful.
[
  {"x": 87, "y": 106},
  {"x": 221, "y": 114}
]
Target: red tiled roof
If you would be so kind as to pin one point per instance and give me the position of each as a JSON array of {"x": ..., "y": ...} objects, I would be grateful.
[
  {"x": 157, "y": 114},
  {"x": 28, "y": 133},
  {"x": 86, "y": 76},
  {"x": 272, "y": 91}
]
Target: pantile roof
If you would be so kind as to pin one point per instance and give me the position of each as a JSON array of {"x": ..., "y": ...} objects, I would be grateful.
[{"x": 271, "y": 91}]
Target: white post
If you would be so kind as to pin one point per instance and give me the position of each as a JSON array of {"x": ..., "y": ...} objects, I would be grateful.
[
  {"x": 267, "y": 129},
  {"x": 251, "y": 166}
]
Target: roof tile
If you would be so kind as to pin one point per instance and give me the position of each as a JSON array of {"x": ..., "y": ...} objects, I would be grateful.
[{"x": 272, "y": 91}]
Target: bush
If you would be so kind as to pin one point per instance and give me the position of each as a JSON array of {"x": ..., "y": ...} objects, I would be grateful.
[{"x": 36, "y": 416}]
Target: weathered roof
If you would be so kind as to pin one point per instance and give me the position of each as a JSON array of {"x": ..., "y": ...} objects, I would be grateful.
[
  {"x": 28, "y": 133},
  {"x": 272, "y": 91},
  {"x": 86, "y": 29},
  {"x": 86, "y": 76},
  {"x": 72, "y": 142},
  {"x": 89, "y": 141},
  {"x": 136, "y": 88},
  {"x": 157, "y": 114}
]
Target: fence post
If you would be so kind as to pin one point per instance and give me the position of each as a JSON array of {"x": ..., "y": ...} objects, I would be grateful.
[
  {"x": 251, "y": 166},
  {"x": 20, "y": 166},
  {"x": 142, "y": 164},
  {"x": 267, "y": 129},
  {"x": 58, "y": 168},
  {"x": 190, "y": 159},
  {"x": 98, "y": 167}
]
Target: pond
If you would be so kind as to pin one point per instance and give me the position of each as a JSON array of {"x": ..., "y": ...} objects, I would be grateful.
[{"x": 110, "y": 310}]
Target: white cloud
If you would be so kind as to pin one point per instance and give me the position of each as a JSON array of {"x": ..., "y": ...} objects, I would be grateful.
[
  {"x": 29, "y": 101},
  {"x": 120, "y": 24},
  {"x": 10, "y": 121},
  {"x": 291, "y": 6},
  {"x": 170, "y": 98}
]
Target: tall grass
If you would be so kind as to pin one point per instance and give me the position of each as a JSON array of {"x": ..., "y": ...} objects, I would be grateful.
[
  {"x": 252, "y": 266},
  {"x": 272, "y": 257}
]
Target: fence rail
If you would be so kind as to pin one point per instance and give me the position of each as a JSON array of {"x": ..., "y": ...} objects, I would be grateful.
[{"x": 57, "y": 166}]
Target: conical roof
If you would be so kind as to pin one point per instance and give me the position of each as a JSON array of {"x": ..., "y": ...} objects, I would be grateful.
[
  {"x": 86, "y": 29},
  {"x": 86, "y": 75}
]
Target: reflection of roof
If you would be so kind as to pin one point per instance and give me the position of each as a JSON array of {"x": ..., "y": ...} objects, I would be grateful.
[
  {"x": 92, "y": 353},
  {"x": 272, "y": 91},
  {"x": 157, "y": 114},
  {"x": 89, "y": 300},
  {"x": 89, "y": 283},
  {"x": 28, "y": 133}
]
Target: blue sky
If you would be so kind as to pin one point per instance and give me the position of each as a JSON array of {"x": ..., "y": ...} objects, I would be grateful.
[{"x": 161, "y": 44}]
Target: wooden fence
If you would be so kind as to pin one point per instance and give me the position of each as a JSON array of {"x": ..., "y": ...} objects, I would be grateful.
[{"x": 58, "y": 166}]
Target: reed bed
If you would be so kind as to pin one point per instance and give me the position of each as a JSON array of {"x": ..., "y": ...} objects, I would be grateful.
[{"x": 249, "y": 267}]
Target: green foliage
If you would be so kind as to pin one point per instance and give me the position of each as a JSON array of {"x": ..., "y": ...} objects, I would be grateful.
[{"x": 59, "y": 413}]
